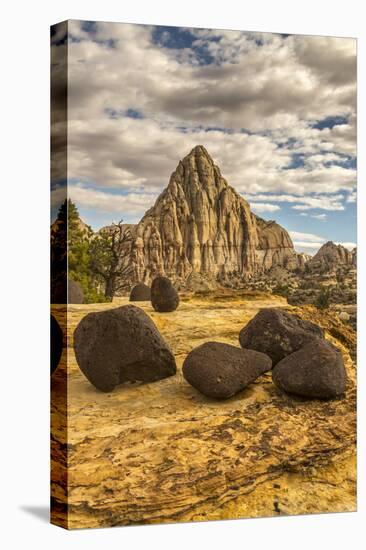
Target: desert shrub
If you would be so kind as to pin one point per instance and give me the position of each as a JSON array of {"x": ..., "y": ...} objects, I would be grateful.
[
  {"x": 309, "y": 284},
  {"x": 323, "y": 298},
  {"x": 281, "y": 290},
  {"x": 340, "y": 276}
]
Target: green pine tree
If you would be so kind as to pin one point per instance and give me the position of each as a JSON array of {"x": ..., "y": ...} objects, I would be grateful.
[
  {"x": 70, "y": 256},
  {"x": 79, "y": 243}
]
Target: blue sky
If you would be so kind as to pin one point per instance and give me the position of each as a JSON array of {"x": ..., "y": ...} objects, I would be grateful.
[{"x": 276, "y": 113}]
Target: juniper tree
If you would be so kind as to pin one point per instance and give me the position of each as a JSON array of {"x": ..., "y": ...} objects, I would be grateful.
[{"x": 109, "y": 257}]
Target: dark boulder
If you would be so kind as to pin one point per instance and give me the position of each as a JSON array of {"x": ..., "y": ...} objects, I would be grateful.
[
  {"x": 140, "y": 293},
  {"x": 316, "y": 370},
  {"x": 75, "y": 294},
  {"x": 164, "y": 296},
  {"x": 278, "y": 333},
  {"x": 220, "y": 370},
  {"x": 56, "y": 343},
  {"x": 121, "y": 345}
]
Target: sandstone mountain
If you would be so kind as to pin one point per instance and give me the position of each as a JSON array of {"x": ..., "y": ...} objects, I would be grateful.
[
  {"x": 331, "y": 256},
  {"x": 302, "y": 260},
  {"x": 200, "y": 224}
]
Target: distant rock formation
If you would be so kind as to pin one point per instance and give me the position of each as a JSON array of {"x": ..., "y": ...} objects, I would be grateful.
[
  {"x": 200, "y": 224},
  {"x": 354, "y": 257},
  {"x": 302, "y": 260},
  {"x": 275, "y": 247},
  {"x": 331, "y": 256}
]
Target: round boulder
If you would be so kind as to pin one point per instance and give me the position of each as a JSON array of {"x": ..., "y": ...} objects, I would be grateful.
[
  {"x": 121, "y": 345},
  {"x": 140, "y": 293},
  {"x": 278, "y": 333},
  {"x": 56, "y": 343},
  {"x": 75, "y": 294},
  {"x": 316, "y": 370},
  {"x": 220, "y": 370},
  {"x": 164, "y": 296}
]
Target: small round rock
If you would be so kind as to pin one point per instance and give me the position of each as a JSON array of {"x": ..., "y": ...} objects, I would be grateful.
[
  {"x": 56, "y": 343},
  {"x": 278, "y": 333},
  {"x": 220, "y": 370},
  {"x": 164, "y": 296},
  {"x": 316, "y": 371},
  {"x": 140, "y": 293}
]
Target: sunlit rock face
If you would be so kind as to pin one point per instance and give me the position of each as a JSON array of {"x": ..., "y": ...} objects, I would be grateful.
[
  {"x": 200, "y": 224},
  {"x": 331, "y": 256},
  {"x": 275, "y": 247},
  {"x": 302, "y": 259}
]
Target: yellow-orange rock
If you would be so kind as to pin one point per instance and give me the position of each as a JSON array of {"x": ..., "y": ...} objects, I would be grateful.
[{"x": 161, "y": 452}]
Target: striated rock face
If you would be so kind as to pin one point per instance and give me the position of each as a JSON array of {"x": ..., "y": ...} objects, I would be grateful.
[
  {"x": 354, "y": 257},
  {"x": 330, "y": 256},
  {"x": 302, "y": 259},
  {"x": 275, "y": 246},
  {"x": 200, "y": 224}
]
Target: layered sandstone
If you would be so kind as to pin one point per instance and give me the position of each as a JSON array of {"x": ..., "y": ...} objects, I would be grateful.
[
  {"x": 162, "y": 452},
  {"x": 200, "y": 224}
]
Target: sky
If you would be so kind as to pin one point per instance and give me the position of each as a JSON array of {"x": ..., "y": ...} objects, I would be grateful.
[{"x": 276, "y": 112}]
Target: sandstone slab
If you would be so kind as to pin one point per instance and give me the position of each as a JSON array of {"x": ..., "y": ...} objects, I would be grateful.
[{"x": 162, "y": 452}]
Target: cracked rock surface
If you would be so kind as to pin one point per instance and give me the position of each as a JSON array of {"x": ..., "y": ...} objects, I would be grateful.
[{"x": 163, "y": 452}]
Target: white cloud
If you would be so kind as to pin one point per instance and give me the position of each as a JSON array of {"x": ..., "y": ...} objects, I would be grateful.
[
  {"x": 321, "y": 217},
  {"x": 131, "y": 204},
  {"x": 306, "y": 237},
  {"x": 273, "y": 87},
  {"x": 264, "y": 207},
  {"x": 309, "y": 247},
  {"x": 352, "y": 197},
  {"x": 322, "y": 202}
]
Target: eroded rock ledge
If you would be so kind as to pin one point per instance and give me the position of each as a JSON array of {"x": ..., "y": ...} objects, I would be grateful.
[{"x": 163, "y": 452}]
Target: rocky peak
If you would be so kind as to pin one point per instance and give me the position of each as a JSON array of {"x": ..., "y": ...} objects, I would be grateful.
[
  {"x": 196, "y": 181},
  {"x": 330, "y": 256},
  {"x": 200, "y": 224}
]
